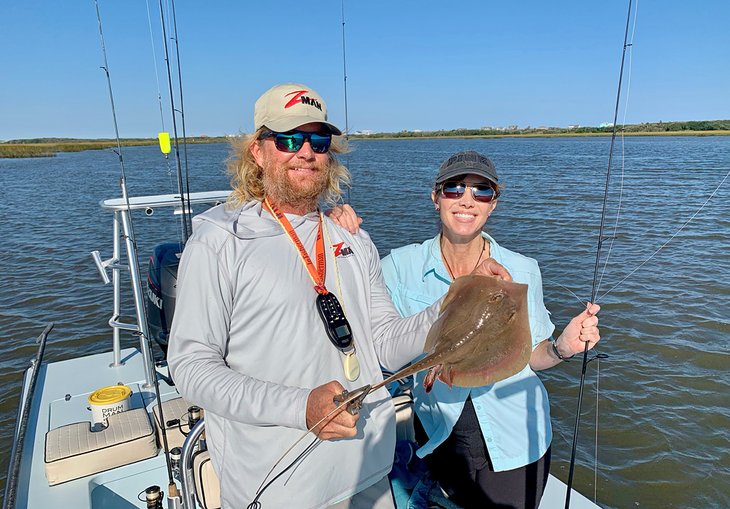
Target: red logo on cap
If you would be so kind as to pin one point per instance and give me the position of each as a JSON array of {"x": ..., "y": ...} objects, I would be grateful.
[{"x": 297, "y": 94}]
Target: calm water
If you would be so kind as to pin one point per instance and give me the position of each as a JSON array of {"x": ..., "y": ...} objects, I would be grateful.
[{"x": 663, "y": 395}]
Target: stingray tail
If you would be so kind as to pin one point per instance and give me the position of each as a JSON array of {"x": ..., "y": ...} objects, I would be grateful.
[{"x": 425, "y": 363}]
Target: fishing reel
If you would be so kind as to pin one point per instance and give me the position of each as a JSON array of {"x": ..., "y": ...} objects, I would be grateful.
[{"x": 153, "y": 497}]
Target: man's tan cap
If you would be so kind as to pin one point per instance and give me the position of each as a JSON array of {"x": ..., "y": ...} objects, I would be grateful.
[{"x": 286, "y": 107}]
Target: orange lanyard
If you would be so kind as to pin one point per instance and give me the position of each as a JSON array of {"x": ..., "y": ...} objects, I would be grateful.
[{"x": 317, "y": 275}]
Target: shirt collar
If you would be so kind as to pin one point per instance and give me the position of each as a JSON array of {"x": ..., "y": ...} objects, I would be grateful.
[{"x": 434, "y": 265}]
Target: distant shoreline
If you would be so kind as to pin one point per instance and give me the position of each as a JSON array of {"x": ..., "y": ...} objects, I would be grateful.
[
  {"x": 541, "y": 135},
  {"x": 23, "y": 148}
]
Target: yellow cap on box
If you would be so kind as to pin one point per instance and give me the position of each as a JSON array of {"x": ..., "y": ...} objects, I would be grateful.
[{"x": 110, "y": 395}]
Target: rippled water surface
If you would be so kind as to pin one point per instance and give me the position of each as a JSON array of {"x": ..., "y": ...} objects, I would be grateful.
[{"x": 664, "y": 393}]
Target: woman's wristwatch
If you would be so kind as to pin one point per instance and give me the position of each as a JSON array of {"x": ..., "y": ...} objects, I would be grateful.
[{"x": 553, "y": 344}]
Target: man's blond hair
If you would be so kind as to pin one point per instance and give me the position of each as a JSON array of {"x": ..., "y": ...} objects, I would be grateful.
[{"x": 247, "y": 176}]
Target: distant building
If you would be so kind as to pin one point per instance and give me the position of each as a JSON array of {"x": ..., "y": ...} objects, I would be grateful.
[
  {"x": 606, "y": 124},
  {"x": 574, "y": 126}
]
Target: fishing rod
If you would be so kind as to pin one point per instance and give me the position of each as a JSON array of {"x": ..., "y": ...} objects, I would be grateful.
[
  {"x": 21, "y": 425},
  {"x": 344, "y": 70},
  {"x": 182, "y": 106},
  {"x": 601, "y": 238},
  {"x": 131, "y": 241},
  {"x": 163, "y": 136},
  {"x": 185, "y": 206},
  {"x": 344, "y": 79},
  {"x": 157, "y": 76}
]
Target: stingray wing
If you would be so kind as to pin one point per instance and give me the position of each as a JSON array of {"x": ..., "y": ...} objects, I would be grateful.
[
  {"x": 484, "y": 331},
  {"x": 443, "y": 326}
]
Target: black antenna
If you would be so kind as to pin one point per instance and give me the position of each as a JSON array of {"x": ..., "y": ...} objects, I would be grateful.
[{"x": 598, "y": 258}]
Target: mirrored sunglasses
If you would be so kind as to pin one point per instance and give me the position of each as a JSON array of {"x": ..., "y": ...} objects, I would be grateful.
[
  {"x": 292, "y": 141},
  {"x": 454, "y": 190}
]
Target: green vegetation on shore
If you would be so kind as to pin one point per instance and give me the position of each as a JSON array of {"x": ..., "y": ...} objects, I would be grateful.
[
  {"x": 690, "y": 128},
  {"x": 48, "y": 147}
]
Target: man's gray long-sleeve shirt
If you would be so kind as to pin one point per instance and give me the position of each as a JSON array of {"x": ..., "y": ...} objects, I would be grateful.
[{"x": 247, "y": 345}]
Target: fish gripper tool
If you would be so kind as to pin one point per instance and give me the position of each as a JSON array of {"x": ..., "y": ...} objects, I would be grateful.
[{"x": 353, "y": 398}]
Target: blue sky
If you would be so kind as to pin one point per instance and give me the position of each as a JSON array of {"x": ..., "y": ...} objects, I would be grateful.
[{"x": 411, "y": 65}]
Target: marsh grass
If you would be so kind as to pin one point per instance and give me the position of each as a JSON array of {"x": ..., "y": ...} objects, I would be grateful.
[
  {"x": 49, "y": 147},
  {"x": 12, "y": 150},
  {"x": 32, "y": 148}
]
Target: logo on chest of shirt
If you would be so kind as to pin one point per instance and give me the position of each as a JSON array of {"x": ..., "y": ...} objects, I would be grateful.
[{"x": 341, "y": 250}]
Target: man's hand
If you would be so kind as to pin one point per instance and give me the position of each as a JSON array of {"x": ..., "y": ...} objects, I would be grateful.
[
  {"x": 345, "y": 216},
  {"x": 581, "y": 330},
  {"x": 320, "y": 402},
  {"x": 490, "y": 267}
]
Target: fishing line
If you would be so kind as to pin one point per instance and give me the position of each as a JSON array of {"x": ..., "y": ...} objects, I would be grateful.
[
  {"x": 722, "y": 182},
  {"x": 613, "y": 238},
  {"x": 255, "y": 504},
  {"x": 154, "y": 60},
  {"x": 623, "y": 149},
  {"x": 595, "y": 455},
  {"x": 159, "y": 93},
  {"x": 182, "y": 105},
  {"x": 582, "y": 301},
  {"x": 342, "y": 406},
  {"x": 264, "y": 484},
  {"x": 598, "y": 261},
  {"x": 133, "y": 260},
  {"x": 185, "y": 227}
]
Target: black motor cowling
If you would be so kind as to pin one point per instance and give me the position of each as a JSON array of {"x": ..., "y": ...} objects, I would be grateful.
[{"x": 162, "y": 290}]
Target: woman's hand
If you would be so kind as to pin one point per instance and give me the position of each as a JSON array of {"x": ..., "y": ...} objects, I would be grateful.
[
  {"x": 490, "y": 267},
  {"x": 580, "y": 331},
  {"x": 345, "y": 216}
]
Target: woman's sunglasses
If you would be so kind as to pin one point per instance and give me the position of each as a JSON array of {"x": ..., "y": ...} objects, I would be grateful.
[
  {"x": 481, "y": 192},
  {"x": 292, "y": 141}
]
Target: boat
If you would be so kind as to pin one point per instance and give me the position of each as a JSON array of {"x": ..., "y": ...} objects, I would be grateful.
[
  {"x": 64, "y": 455},
  {"x": 110, "y": 430}
]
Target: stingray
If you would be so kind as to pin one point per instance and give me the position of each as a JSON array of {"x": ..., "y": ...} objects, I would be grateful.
[{"x": 482, "y": 336}]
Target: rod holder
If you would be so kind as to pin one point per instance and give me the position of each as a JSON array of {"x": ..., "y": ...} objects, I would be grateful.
[{"x": 101, "y": 265}]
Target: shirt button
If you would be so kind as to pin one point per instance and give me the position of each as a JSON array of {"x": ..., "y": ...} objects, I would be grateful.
[{"x": 489, "y": 439}]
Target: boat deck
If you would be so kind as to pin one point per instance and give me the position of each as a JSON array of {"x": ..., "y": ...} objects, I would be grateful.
[{"x": 61, "y": 398}]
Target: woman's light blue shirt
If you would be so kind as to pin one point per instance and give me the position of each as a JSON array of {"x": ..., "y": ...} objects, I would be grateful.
[{"x": 514, "y": 414}]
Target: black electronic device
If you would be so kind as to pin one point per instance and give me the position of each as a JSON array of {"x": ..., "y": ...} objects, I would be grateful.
[{"x": 335, "y": 323}]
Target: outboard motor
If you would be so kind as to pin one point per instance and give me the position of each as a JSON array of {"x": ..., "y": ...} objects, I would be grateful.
[{"x": 162, "y": 290}]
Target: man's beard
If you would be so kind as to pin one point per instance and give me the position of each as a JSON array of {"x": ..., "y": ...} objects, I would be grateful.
[{"x": 302, "y": 195}]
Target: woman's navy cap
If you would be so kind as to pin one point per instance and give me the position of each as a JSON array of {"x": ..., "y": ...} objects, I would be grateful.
[{"x": 464, "y": 163}]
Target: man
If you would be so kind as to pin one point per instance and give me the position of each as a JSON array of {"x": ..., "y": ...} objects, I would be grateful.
[{"x": 256, "y": 339}]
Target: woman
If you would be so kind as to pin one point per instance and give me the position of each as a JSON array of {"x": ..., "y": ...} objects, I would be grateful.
[{"x": 487, "y": 446}]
